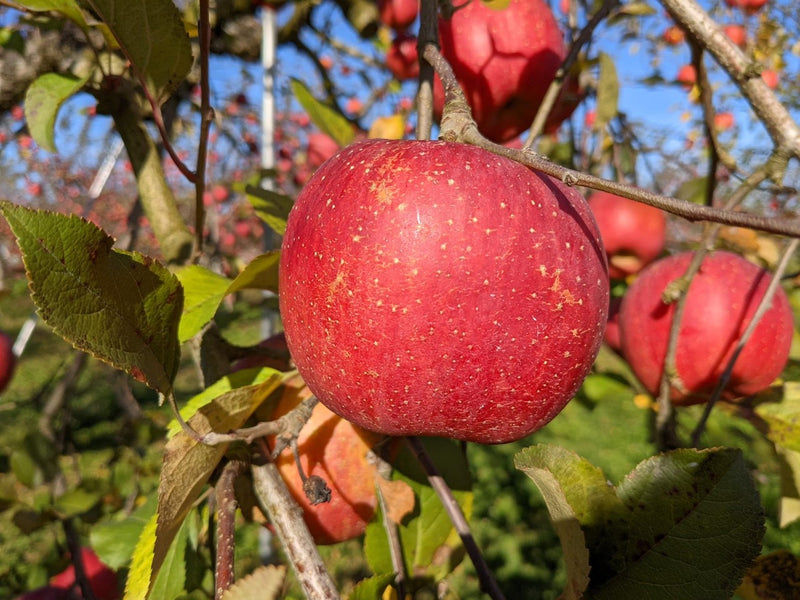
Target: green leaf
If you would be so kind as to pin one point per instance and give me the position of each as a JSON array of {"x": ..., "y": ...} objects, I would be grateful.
[
  {"x": 431, "y": 547},
  {"x": 11, "y": 39},
  {"x": 43, "y": 101},
  {"x": 685, "y": 524},
  {"x": 260, "y": 274},
  {"x": 188, "y": 464},
  {"x": 203, "y": 291},
  {"x": 789, "y": 504},
  {"x": 152, "y": 35},
  {"x": 607, "y": 91},
  {"x": 328, "y": 120},
  {"x": 783, "y": 418},
  {"x": 76, "y": 502},
  {"x": 273, "y": 208},
  {"x": 371, "y": 588},
  {"x": 693, "y": 190},
  {"x": 115, "y": 541},
  {"x": 121, "y": 307},
  {"x": 637, "y": 9},
  {"x": 170, "y": 582},
  {"x": 68, "y": 8},
  {"x": 568, "y": 485}
]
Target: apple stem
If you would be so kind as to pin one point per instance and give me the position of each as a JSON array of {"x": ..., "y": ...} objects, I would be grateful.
[
  {"x": 487, "y": 581},
  {"x": 763, "y": 306},
  {"x": 226, "y": 526}
]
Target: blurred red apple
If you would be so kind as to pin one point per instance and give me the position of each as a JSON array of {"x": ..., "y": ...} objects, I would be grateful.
[
  {"x": 611, "y": 335},
  {"x": 687, "y": 76},
  {"x": 633, "y": 233},
  {"x": 398, "y": 14},
  {"x": 673, "y": 35},
  {"x": 8, "y": 361},
  {"x": 720, "y": 303},
  {"x": 434, "y": 288},
  {"x": 771, "y": 78},
  {"x": 102, "y": 579},
  {"x": 402, "y": 58},
  {"x": 748, "y": 6},
  {"x": 737, "y": 34},
  {"x": 505, "y": 59},
  {"x": 320, "y": 148},
  {"x": 723, "y": 121}
]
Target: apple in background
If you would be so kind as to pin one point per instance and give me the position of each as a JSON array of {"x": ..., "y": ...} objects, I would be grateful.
[
  {"x": 720, "y": 303},
  {"x": 673, "y": 35},
  {"x": 633, "y": 233},
  {"x": 505, "y": 59},
  {"x": 724, "y": 121},
  {"x": 771, "y": 78},
  {"x": 320, "y": 148},
  {"x": 737, "y": 34},
  {"x": 402, "y": 57},
  {"x": 8, "y": 361},
  {"x": 750, "y": 7},
  {"x": 687, "y": 76},
  {"x": 335, "y": 450},
  {"x": 398, "y": 14},
  {"x": 272, "y": 352},
  {"x": 102, "y": 579},
  {"x": 436, "y": 289}
]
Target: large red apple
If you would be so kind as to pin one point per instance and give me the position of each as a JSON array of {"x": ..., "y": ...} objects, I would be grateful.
[
  {"x": 505, "y": 59},
  {"x": 720, "y": 303},
  {"x": 433, "y": 288},
  {"x": 8, "y": 361},
  {"x": 633, "y": 233}
]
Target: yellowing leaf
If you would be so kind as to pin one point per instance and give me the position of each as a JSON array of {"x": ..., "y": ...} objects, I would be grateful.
[
  {"x": 398, "y": 498},
  {"x": 265, "y": 583},
  {"x": 388, "y": 128}
]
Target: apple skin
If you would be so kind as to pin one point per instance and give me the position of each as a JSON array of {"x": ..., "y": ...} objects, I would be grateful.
[
  {"x": 102, "y": 578},
  {"x": 336, "y": 451},
  {"x": 505, "y": 59},
  {"x": 436, "y": 289},
  {"x": 398, "y": 14},
  {"x": 720, "y": 303},
  {"x": 633, "y": 233},
  {"x": 8, "y": 361}
]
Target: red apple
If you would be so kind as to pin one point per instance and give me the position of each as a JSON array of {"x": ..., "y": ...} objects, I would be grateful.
[
  {"x": 398, "y": 14},
  {"x": 720, "y": 303},
  {"x": 633, "y": 233},
  {"x": 673, "y": 35},
  {"x": 723, "y": 121},
  {"x": 748, "y": 6},
  {"x": 321, "y": 147},
  {"x": 771, "y": 78},
  {"x": 505, "y": 59},
  {"x": 737, "y": 34},
  {"x": 8, "y": 361},
  {"x": 402, "y": 57},
  {"x": 337, "y": 451},
  {"x": 687, "y": 76},
  {"x": 433, "y": 288},
  {"x": 102, "y": 579}
]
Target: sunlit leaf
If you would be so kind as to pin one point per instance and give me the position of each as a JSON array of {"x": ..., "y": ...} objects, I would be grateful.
[
  {"x": 260, "y": 274},
  {"x": 121, "y": 307},
  {"x": 693, "y": 190},
  {"x": 42, "y": 103},
  {"x": 152, "y": 36},
  {"x": 203, "y": 291},
  {"x": 326, "y": 118},
  {"x": 607, "y": 91},
  {"x": 371, "y": 588},
  {"x": 271, "y": 207},
  {"x": 789, "y": 506},
  {"x": 388, "y": 128},
  {"x": 783, "y": 418},
  {"x": 68, "y": 8},
  {"x": 265, "y": 583}
]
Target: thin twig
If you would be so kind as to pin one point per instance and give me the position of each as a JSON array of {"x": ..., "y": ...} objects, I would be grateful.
[
  {"x": 763, "y": 306},
  {"x": 206, "y": 118},
  {"x": 428, "y": 34},
  {"x": 487, "y": 580},
  {"x": 226, "y": 526}
]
